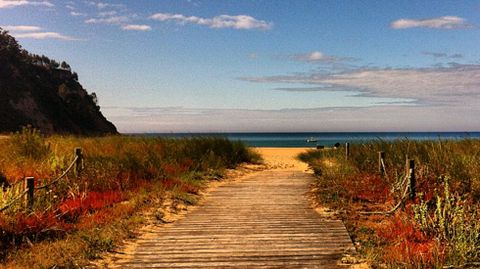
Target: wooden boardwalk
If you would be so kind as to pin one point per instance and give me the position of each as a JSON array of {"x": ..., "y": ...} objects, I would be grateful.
[{"x": 263, "y": 221}]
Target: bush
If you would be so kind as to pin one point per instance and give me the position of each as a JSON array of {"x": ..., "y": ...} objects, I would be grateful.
[
  {"x": 439, "y": 228},
  {"x": 30, "y": 143}
]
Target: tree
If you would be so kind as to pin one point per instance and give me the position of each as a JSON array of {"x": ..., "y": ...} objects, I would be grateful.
[
  {"x": 8, "y": 45},
  {"x": 94, "y": 98},
  {"x": 65, "y": 66}
]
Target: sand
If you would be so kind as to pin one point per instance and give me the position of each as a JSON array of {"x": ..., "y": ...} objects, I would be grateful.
[{"x": 283, "y": 158}]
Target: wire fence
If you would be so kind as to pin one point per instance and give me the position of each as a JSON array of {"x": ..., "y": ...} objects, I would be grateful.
[{"x": 77, "y": 165}]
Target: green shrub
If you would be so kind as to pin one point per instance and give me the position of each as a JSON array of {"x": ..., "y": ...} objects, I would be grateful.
[{"x": 30, "y": 143}]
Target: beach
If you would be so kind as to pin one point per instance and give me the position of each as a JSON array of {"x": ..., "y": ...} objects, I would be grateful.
[{"x": 283, "y": 158}]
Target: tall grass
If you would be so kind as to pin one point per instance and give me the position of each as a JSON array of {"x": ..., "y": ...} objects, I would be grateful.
[
  {"x": 117, "y": 168},
  {"x": 443, "y": 220}
]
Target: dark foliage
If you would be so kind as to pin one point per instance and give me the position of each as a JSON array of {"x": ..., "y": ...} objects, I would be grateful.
[{"x": 38, "y": 91}]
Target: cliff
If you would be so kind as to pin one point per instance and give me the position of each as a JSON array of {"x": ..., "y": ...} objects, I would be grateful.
[{"x": 38, "y": 91}]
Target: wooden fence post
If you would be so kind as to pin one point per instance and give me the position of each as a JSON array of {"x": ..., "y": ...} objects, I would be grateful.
[
  {"x": 30, "y": 187},
  {"x": 411, "y": 177},
  {"x": 79, "y": 162},
  {"x": 347, "y": 150},
  {"x": 381, "y": 161}
]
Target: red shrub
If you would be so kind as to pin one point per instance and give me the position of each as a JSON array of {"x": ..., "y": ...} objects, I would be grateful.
[
  {"x": 172, "y": 170},
  {"x": 367, "y": 187},
  {"x": 399, "y": 229},
  {"x": 73, "y": 208},
  {"x": 406, "y": 244},
  {"x": 427, "y": 253},
  {"x": 35, "y": 224},
  {"x": 170, "y": 183}
]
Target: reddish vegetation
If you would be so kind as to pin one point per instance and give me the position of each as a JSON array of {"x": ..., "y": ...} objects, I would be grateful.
[
  {"x": 71, "y": 209},
  {"x": 121, "y": 176},
  {"x": 367, "y": 187},
  {"x": 407, "y": 244},
  {"x": 38, "y": 225}
]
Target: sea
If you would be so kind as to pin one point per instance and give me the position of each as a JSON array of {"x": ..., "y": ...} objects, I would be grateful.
[{"x": 327, "y": 139}]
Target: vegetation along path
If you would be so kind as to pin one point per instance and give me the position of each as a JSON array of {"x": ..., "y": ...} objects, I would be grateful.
[{"x": 262, "y": 221}]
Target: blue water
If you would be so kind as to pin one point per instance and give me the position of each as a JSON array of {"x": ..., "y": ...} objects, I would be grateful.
[{"x": 325, "y": 139}]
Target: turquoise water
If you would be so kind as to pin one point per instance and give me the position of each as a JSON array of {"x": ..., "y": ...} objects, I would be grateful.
[{"x": 325, "y": 139}]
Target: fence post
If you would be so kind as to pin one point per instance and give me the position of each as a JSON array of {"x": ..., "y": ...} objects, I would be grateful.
[
  {"x": 381, "y": 158},
  {"x": 411, "y": 177},
  {"x": 79, "y": 162},
  {"x": 347, "y": 150},
  {"x": 30, "y": 187}
]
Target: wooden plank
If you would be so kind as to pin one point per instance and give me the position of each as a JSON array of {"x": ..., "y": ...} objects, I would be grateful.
[{"x": 264, "y": 221}]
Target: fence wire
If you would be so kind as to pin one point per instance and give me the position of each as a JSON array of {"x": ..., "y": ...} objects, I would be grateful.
[
  {"x": 13, "y": 201},
  {"x": 60, "y": 177}
]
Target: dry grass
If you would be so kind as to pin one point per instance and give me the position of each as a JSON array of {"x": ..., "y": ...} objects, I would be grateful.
[
  {"x": 439, "y": 228},
  {"x": 80, "y": 217}
]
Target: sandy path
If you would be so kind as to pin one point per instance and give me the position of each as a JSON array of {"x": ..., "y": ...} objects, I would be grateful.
[{"x": 283, "y": 158}]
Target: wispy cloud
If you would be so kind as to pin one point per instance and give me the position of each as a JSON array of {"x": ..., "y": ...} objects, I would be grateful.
[
  {"x": 109, "y": 20},
  {"x": 445, "y": 22},
  {"x": 107, "y": 13},
  {"x": 35, "y": 32},
  {"x": 21, "y": 28},
  {"x": 18, "y": 3},
  {"x": 77, "y": 14},
  {"x": 456, "y": 85},
  {"x": 244, "y": 22},
  {"x": 45, "y": 35},
  {"x": 340, "y": 119},
  {"x": 104, "y": 5},
  {"x": 137, "y": 27},
  {"x": 443, "y": 55},
  {"x": 319, "y": 57}
]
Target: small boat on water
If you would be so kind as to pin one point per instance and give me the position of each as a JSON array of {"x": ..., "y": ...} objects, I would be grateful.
[{"x": 312, "y": 140}]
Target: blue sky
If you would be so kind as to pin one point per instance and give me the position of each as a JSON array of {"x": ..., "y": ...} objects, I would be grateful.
[{"x": 258, "y": 65}]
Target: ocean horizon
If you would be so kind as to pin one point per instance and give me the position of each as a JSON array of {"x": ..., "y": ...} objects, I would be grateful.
[{"x": 314, "y": 139}]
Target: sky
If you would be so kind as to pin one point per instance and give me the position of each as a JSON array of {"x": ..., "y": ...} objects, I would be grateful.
[{"x": 265, "y": 65}]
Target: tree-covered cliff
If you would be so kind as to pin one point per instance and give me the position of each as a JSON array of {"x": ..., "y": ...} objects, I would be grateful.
[{"x": 38, "y": 91}]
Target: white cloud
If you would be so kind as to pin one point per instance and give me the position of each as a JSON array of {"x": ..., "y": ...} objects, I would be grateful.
[
  {"x": 315, "y": 56},
  {"x": 137, "y": 27},
  {"x": 445, "y": 22},
  {"x": 108, "y": 20},
  {"x": 318, "y": 57},
  {"x": 21, "y": 28},
  {"x": 457, "y": 85},
  {"x": 107, "y": 5},
  {"x": 45, "y": 35},
  {"x": 104, "y": 5},
  {"x": 222, "y": 21},
  {"x": 35, "y": 32},
  {"x": 77, "y": 14},
  {"x": 107, "y": 13},
  {"x": 17, "y": 3}
]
